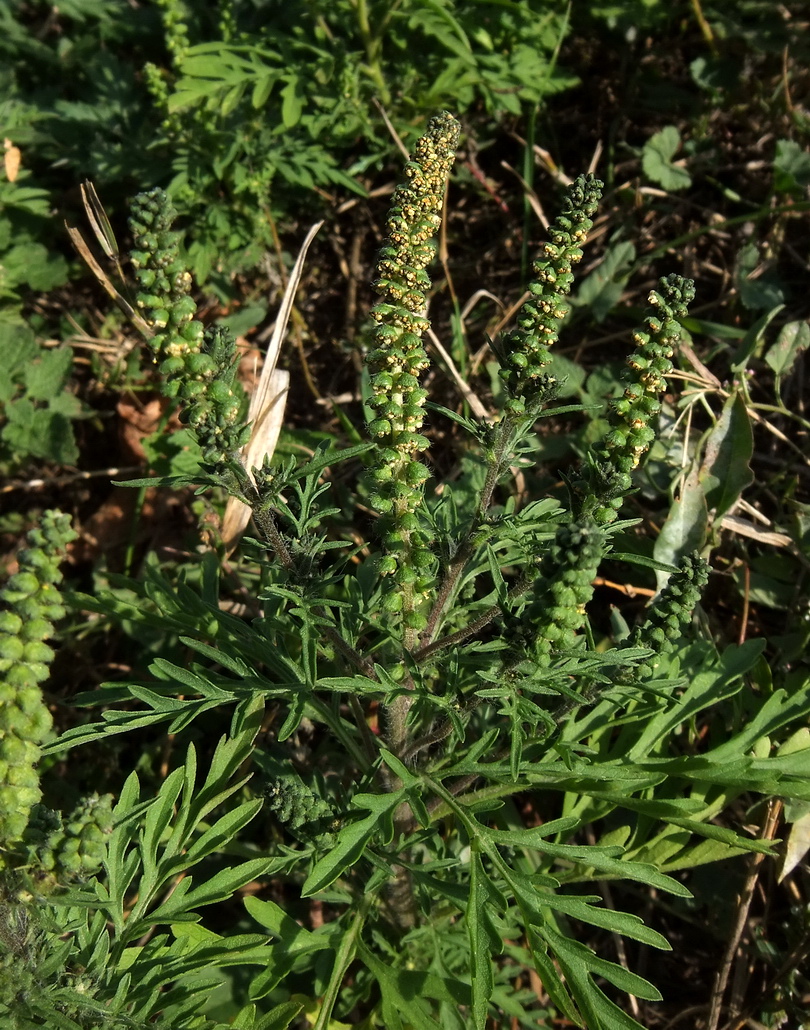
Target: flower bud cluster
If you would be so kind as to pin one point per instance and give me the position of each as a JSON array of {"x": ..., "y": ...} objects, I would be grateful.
[
  {"x": 198, "y": 367},
  {"x": 206, "y": 381},
  {"x": 670, "y": 613},
  {"x": 525, "y": 348},
  {"x": 71, "y": 846},
  {"x": 631, "y": 415},
  {"x": 165, "y": 284},
  {"x": 398, "y": 356},
  {"x": 298, "y": 807},
  {"x": 567, "y": 572},
  {"x": 175, "y": 28},
  {"x": 31, "y": 602}
]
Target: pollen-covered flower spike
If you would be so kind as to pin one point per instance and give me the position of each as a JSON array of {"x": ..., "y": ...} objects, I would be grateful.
[
  {"x": 525, "y": 348},
  {"x": 398, "y": 357},
  {"x": 630, "y": 417},
  {"x": 31, "y": 600}
]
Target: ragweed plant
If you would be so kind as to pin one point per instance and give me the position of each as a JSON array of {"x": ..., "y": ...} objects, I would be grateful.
[{"x": 394, "y": 695}]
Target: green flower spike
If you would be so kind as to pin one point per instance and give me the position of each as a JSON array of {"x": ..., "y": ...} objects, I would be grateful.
[
  {"x": 198, "y": 367},
  {"x": 165, "y": 284},
  {"x": 397, "y": 359},
  {"x": 525, "y": 349},
  {"x": 631, "y": 432},
  {"x": 31, "y": 601},
  {"x": 567, "y": 573},
  {"x": 670, "y": 613},
  {"x": 72, "y": 846},
  {"x": 297, "y": 807}
]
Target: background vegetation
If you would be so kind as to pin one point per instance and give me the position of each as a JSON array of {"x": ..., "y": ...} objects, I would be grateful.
[{"x": 260, "y": 118}]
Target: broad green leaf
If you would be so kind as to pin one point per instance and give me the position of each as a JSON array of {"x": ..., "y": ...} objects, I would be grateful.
[
  {"x": 195, "y": 933},
  {"x": 657, "y": 160},
  {"x": 19, "y": 346},
  {"x": 292, "y": 103},
  {"x": 703, "y": 690},
  {"x": 46, "y": 376},
  {"x": 725, "y": 470},
  {"x": 32, "y": 264},
  {"x": 245, "y": 1018},
  {"x": 753, "y": 339},
  {"x": 568, "y": 374},
  {"x": 262, "y": 89},
  {"x": 797, "y": 816},
  {"x": 792, "y": 340},
  {"x": 39, "y": 432},
  {"x": 759, "y": 290},
  {"x": 685, "y": 528},
  {"x": 704, "y": 853},
  {"x": 791, "y": 167},
  {"x": 601, "y": 290}
]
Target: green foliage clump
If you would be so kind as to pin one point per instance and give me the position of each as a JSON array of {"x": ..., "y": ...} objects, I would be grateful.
[
  {"x": 255, "y": 105},
  {"x": 31, "y": 603},
  {"x": 36, "y": 407}
]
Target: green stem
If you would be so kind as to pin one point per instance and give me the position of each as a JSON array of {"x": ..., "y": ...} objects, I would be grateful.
[
  {"x": 528, "y": 178},
  {"x": 476, "y": 625},
  {"x": 335, "y": 724},
  {"x": 371, "y": 42},
  {"x": 267, "y": 527},
  {"x": 780, "y": 409},
  {"x": 798, "y": 207},
  {"x": 397, "y": 717},
  {"x": 496, "y": 468},
  {"x": 343, "y": 959}
]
